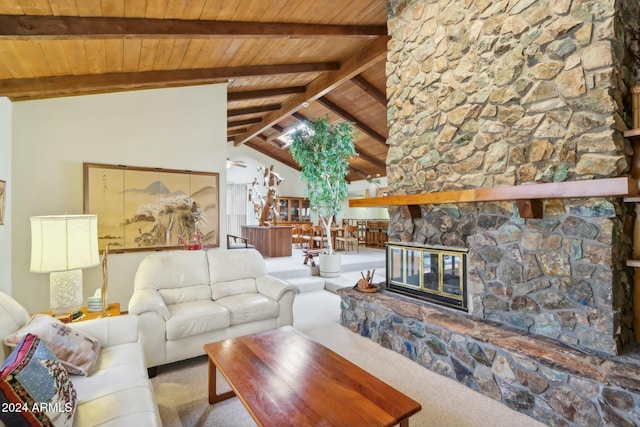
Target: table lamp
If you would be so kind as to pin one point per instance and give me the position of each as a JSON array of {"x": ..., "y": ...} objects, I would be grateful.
[{"x": 63, "y": 245}]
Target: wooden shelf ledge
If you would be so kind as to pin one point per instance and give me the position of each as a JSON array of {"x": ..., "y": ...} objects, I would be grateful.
[
  {"x": 633, "y": 263},
  {"x": 529, "y": 196}
]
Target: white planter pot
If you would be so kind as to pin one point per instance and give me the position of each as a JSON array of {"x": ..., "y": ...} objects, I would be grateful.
[{"x": 330, "y": 265}]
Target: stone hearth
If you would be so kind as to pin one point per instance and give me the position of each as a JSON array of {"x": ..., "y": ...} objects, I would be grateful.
[{"x": 553, "y": 383}]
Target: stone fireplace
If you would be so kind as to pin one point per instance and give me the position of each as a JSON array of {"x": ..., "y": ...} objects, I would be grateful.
[{"x": 485, "y": 94}]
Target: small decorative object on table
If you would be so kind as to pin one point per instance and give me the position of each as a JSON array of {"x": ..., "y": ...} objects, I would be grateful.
[
  {"x": 374, "y": 185},
  {"x": 94, "y": 303},
  {"x": 365, "y": 284}
]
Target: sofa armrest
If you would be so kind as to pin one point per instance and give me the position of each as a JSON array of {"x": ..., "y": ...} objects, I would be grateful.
[
  {"x": 274, "y": 287},
  {"x": 110, "y": 330},
  {"x": 144, "y": 300}
]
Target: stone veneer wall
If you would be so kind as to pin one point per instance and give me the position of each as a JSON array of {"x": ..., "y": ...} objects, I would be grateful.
[
  {"x": 487, "y": 93},
  {"x": 550, "y": 382}
]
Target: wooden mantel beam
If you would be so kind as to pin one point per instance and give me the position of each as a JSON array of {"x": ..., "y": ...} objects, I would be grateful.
[{"x": 607, "y": 187}]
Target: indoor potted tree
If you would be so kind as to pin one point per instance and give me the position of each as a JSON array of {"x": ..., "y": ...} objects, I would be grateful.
[{"x": 323, "y": 150}]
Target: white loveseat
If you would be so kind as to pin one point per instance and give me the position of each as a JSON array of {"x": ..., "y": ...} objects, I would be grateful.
[
  {"x": 117, "y": 392},
  {"x": 185, "y": 299}
]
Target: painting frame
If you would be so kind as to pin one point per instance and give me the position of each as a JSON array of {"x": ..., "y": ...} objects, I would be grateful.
[
  {"x": 151, "y": 209},
  {"x": 3, "y": 191}
]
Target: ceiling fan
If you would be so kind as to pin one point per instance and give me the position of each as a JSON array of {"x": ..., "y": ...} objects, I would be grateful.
[{"x": 239, "y": 163}]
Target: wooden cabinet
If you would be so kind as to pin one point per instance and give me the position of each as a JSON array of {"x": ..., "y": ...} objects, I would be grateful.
[
  {"x": 293, "y": 209},
  {"x": 271, "y": 241}
]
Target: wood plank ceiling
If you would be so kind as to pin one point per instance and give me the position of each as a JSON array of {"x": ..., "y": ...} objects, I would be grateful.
[{"x": 284, "y": 60}]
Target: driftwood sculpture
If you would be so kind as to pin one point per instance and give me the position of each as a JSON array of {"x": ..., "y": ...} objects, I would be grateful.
[
  {"x": 256, "y": 199},
  {"x": 366, "y": 283},
  {"x": 265, "y": 207}
]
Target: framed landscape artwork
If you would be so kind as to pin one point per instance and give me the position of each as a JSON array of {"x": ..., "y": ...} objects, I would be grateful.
[{"x": 142, "y": 208}]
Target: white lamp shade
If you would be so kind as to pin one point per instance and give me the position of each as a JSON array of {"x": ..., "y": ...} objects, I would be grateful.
[{"x": 64, "y": 242}]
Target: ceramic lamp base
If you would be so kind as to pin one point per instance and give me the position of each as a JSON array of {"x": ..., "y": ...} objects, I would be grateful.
[{"x": 66, "y": 291}]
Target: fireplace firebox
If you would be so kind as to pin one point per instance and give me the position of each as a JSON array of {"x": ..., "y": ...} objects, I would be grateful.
[{"x": 435, "y": 274}]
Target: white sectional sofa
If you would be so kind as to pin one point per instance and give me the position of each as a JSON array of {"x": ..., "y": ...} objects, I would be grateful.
[
  {"x": 117, "y": 392},
  {"x": 185, "y": 299}
]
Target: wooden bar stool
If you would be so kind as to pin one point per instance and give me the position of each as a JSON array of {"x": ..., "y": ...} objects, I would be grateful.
[
  {"x": 362, "y": 232},
  {"x": 318, "y": 239},
  {"x": 348, "y": 237},
  {"x": 383, "y": 233},
  {"x": 306, "y": 235},
  {"x": 372, "y": 233}
]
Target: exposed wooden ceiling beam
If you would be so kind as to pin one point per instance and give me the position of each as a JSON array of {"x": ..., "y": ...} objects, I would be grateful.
[
  {"x": 234, "y": 132},
  {"x": 72, "y": 27},
  {"x": 240, "y": 123},
  {"x": 350, "y": 118},
  {"x": 300, "y": 117},
  {"x": 370, "y": 89},
  {"x": 263, "y": 93},
  {"x": 90, "y": 83},
  {"x": 358, "y": 172},
  {"x": 253, "y": 110},
  {"x": 322, "y": 85},
  {"x": 258, "y": 147},
  {"x": 373, "y": 160}
]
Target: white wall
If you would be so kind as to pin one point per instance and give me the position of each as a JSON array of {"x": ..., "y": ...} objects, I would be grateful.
[
  {"x": 291, "y": 185},
  {"x": 5, "y": 175},
  {"x": 178, "y": 128},
  {"x": 357, "y": 189}
]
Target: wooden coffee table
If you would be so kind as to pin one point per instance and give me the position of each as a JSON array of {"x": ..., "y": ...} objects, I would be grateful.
[{"x": 284, "y": 378}]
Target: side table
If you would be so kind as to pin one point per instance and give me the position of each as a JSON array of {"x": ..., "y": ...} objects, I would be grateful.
[{"x": 112, "y": 310}]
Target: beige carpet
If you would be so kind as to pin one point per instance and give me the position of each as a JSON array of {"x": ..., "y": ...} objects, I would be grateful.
[{"x": 181, "y": 388}]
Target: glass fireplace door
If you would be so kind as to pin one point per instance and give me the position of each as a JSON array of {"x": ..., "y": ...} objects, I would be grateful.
[{"x": 434, "y": 274}]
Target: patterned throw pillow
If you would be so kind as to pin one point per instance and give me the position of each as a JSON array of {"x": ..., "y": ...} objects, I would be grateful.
[
  {"x": 35, "y": 389},
  {"x": 76, "y": 350}
]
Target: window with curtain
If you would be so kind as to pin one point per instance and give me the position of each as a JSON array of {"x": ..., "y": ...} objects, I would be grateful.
[{"x": 237, "y": 208}]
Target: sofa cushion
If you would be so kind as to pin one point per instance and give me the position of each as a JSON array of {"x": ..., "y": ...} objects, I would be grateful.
[
  {"x": 185, "y": 294},
  {"x": 227, "y": 266},
  {"x": 234, "y": 287},
  {"x": 76, "y": 350},
  {"x": 196, "y": 317},
  {"x": 120, "y": 404},
  {"x": 250, "y": 307},
  {"x": 172, "y": 269},
  {"x": 13, "y": 316},
  {"x": 123, "y": 361},
  {"x": 35, "y": 389}
]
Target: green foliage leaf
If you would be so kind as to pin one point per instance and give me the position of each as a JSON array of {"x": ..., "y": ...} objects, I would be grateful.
[{"x": 323, "y": 150}]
